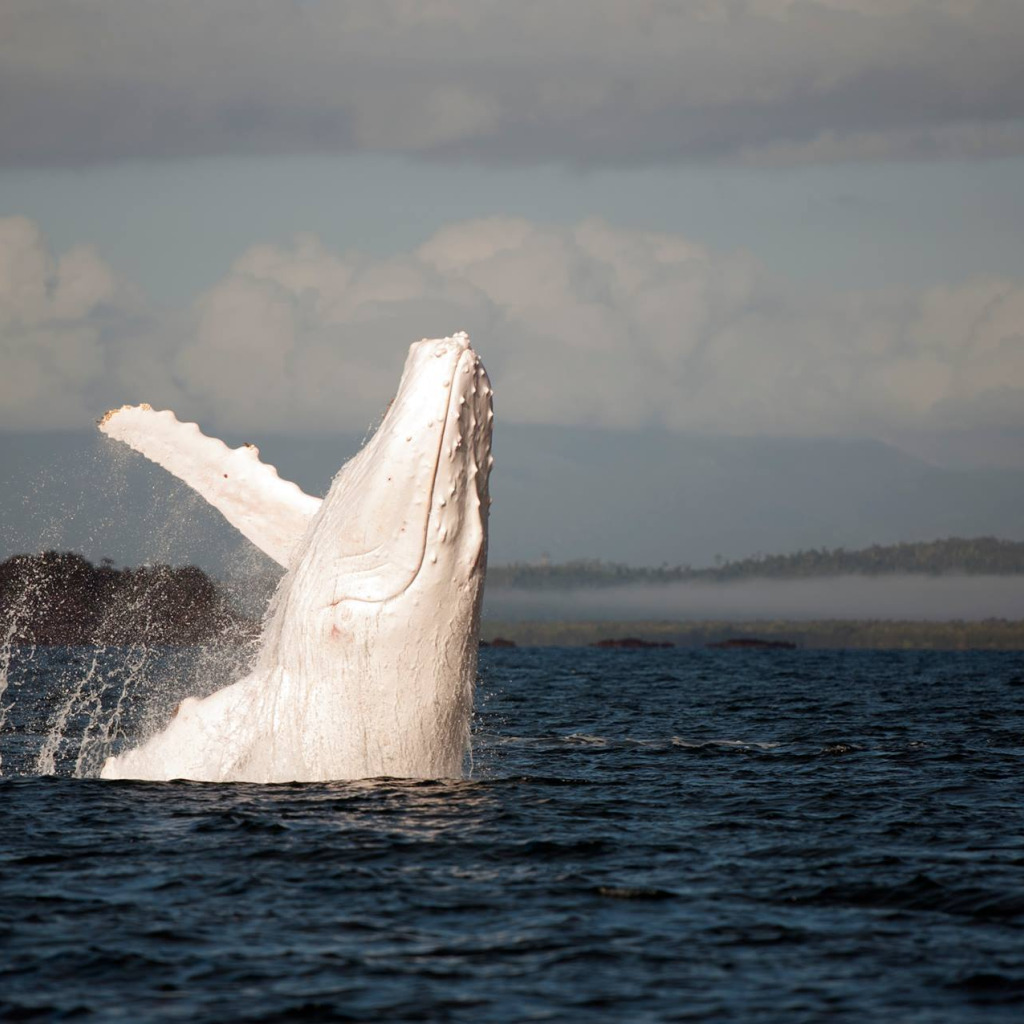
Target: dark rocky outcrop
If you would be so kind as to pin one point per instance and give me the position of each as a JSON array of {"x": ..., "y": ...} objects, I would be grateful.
[
  {"x": 62, "y": 598},
  {"x": 746, "y": 643},
  {"x": 632, "y": 642}
]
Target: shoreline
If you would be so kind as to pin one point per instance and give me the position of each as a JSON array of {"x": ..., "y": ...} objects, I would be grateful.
[{"x": 823, "y": 634}]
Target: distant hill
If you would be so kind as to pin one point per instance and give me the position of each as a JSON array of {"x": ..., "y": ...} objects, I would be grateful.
[
  {"x": 630, "y": 497},
  {"x": 649, "y": 498},
  {"x": 954, "y": 555},
  {"x": 61, "y": 598}
]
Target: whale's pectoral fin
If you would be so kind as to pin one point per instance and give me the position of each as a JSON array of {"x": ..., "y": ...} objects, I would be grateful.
[{"x": 271, "y": 512}]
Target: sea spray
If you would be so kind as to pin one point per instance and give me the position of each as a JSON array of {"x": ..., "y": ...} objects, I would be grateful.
[{"x": 123, "y": 680}]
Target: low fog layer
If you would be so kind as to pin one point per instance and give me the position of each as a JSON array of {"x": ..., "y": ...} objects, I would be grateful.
[{"x": 844, "y": 597}]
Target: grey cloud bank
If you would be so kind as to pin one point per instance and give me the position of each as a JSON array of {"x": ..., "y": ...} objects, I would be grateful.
[
  {"x": 580, "y": 325},
  {"x": 587, "y": 82}
]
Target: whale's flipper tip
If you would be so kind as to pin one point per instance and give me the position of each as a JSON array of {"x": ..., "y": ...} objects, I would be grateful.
[
  {"x": 105, "y": 419},
  {"x": 273, "y": 513}
]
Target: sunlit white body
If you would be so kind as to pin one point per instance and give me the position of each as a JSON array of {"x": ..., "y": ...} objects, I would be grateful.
[{"x": 368, "y": 659}]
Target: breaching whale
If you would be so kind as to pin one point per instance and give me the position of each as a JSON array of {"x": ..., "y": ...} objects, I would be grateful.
[{"x": 367, "y": 660}]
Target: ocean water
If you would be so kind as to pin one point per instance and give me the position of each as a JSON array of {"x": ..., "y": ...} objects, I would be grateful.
[{"x": 644, "y": 836}]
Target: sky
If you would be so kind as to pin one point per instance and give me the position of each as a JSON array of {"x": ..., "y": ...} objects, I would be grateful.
[{"x": 709, "y": 223}]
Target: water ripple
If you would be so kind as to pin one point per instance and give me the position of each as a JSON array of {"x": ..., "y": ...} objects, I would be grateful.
[{"x": 677, "y": 835}]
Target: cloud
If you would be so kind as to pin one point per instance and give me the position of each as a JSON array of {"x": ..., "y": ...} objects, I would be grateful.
[
  {"x": 74, "y": 338},
  {"x": 585, "y": 324},
  {"x": 51, "y": 327},
  {"x": 586, "y": 82}
]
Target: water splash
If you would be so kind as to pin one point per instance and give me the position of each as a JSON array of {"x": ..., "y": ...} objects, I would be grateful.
[
  {"x": 80, "y": 696},
  {"x": 19, "y": 615},
  {"x": 64, "y": 710}
]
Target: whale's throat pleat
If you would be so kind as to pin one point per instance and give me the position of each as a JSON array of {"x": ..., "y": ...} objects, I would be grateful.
[{"x": 370, "y": 537}]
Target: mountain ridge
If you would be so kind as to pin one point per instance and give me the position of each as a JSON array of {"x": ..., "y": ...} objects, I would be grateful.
[{"x": 634, "y": 498}]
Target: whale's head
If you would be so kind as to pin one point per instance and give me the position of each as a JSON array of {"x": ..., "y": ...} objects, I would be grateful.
[
  {"x": 370, "y": 648},
  {"x": 404, "y": 525}
]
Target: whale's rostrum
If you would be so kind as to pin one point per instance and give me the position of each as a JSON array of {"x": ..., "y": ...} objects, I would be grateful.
[{"x": 368, "y": 657}]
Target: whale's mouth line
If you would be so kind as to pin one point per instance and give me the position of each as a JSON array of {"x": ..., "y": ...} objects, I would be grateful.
[{"x": 438, "y": 455}]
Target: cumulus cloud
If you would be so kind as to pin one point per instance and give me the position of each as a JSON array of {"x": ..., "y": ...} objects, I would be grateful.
[
  {"x": 582, "y": 81},
  {"x": 584, "y": 324},
  {"x": 74, "y": 338},
  {"x": 51, "y": 327}
]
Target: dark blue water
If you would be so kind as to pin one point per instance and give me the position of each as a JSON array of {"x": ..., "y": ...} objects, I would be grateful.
[{"x": 647, "y": 836}]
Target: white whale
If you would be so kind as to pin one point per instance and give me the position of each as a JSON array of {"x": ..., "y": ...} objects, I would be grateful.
[{"x": 368, "y": 658}]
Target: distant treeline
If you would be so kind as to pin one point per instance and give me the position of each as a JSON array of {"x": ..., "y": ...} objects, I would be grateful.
[
  {"x": 61, "y": 598},
  {"x": 954, "y": 555}
]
